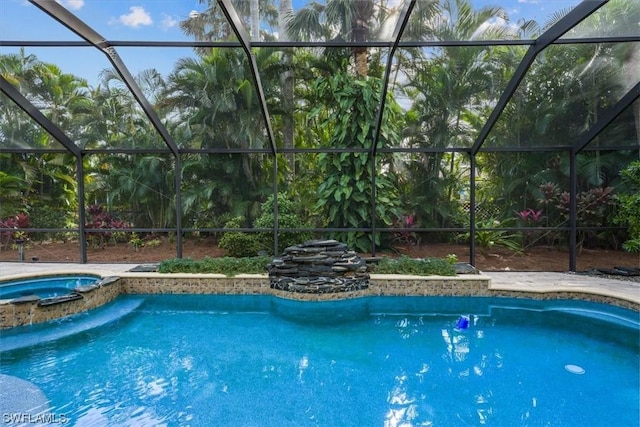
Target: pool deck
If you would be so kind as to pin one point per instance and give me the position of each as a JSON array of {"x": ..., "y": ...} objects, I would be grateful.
[{"x": 504, "y": 280}]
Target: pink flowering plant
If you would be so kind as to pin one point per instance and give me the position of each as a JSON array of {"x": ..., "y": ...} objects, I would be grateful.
[
  {"x": 405, "y": 237},
  {"x": 530, "y": 216}
]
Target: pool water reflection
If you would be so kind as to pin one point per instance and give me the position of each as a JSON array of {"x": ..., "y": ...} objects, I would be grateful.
[{"x": 260, "y": 360}]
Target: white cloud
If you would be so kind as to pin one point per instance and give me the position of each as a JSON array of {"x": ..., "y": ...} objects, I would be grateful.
[
  {"x": 529, "y": 1},
  {"x": 72, "y": 4},
  {"x": 136, "y": 17},
  {"x": 168, "y": 22}
]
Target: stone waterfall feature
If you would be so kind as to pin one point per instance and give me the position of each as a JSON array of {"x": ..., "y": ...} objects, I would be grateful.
[{"x": 318, "y": 266}]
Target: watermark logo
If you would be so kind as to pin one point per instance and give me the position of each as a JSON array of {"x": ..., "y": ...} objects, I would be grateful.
[{"x": 27, "y": 418}]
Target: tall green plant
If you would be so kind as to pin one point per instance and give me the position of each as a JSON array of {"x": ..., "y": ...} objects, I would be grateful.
[
  {"x": 143, "y": 185},
  {"x": 346, "y": 192}
]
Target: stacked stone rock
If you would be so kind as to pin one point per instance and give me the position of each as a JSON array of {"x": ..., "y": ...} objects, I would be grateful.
[{"x": 318, "y": 266}]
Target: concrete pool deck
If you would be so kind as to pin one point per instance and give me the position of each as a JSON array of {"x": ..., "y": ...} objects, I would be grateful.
[{"x": 537, "y": 282}]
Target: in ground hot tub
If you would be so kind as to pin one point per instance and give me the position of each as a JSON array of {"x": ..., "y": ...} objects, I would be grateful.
[{"x": 44, "y": 287}]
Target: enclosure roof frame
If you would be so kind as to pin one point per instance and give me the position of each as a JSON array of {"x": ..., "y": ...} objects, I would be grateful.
[
  {"x": 25, "y": 105},
  {"x": 92, "y": 38},
  {"x": 238, "y": 28},
  {"x": 609, "y": 116},
  {"x": 566, "y": 23},
  {"x": 77, "y": 26}
]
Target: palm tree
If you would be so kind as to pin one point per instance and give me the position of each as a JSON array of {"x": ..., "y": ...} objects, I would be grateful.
[
  {"x": 340, "y": 20},
  {"x": 211, "y": 24},
  {"x": 136, "y": 183},
  {"x": 17, "y": 68},
  {"x": 64, "y": 99},
  {"x": 16, "y": 128},
  {"x": 213, "y": 106},
  {"x": 116, "y": 120},
  {"x": 142, "y": 184},
  {"x": 450, "y": 89}
]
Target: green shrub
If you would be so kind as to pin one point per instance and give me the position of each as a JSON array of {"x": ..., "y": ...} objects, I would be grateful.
[
  {"x": 228, "y": 266},
  {"x": 488, "y": 239},
  {"x": 629, "y": 208},
  {"x": 231, "y": 266},
  {"x": 178, "y": 265},
  {"x": 414, "y": 266},
  {"x": 287, "y": 218},
  {"x": 43, "y": 216},
  {"x": 239, "y": 244}
]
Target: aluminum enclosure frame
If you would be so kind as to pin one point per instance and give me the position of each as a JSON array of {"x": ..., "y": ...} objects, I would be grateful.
[{"x": 107, "y": 47}]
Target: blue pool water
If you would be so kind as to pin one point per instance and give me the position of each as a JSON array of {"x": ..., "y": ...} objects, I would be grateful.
[
  {"x": 263, "y": 361},
  {"x": 43, "y": 287}
]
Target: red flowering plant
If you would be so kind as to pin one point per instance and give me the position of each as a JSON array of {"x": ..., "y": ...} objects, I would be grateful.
[
  {"x": 8, "y": 229},
  {"x": 594, "y": 207},
  {"x": 98, "y": 218}
]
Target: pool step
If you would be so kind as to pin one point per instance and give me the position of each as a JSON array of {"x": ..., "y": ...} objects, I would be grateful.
[
  {"x": 25, "y": 336},
  {"x": 633, "y": 323}
]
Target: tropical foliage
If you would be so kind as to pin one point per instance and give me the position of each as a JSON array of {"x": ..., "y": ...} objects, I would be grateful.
[
  {"x": 347, "y": 140},
  {"x": 629, "y": 213},
  {"x": 348, "y": 176}
]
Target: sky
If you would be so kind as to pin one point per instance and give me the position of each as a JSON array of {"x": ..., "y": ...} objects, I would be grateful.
[{"x": 156, "y": 20}]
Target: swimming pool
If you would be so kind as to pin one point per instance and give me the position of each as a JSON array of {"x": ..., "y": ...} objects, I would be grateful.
[
  {"x": 44, "y": 287},
  {"x": 261, "y": 360}
]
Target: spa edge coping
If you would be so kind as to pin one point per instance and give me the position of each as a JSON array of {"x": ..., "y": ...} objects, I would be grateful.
[{"x": 627, "y": 300}]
